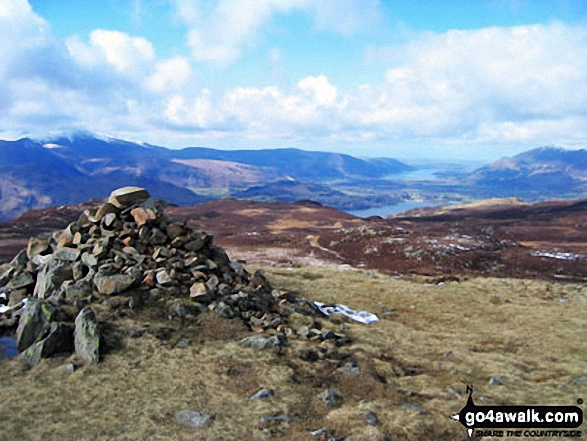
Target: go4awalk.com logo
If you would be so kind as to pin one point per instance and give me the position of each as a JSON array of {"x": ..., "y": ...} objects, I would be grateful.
[{"x": 520, "y": 421}]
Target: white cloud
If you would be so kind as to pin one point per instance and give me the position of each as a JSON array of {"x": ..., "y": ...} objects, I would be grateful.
[
  {"x": 220, "y": 31},
  {"x": 172, "y": 74},
  {"x": 125, "y": 53},
  {"x": 525, "y": 85},
  {"x": 321, "y": 91}
]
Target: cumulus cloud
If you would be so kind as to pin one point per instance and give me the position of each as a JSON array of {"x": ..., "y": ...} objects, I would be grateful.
[
  {"x": 459, "y": 83},
  {"x": 524, "y": 85},
  {"x": 220, "y": 32},
  {"x": 125, "y": 53}
]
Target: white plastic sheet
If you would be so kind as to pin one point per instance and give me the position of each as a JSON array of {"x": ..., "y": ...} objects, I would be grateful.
[{"x": 360, "y": 316}]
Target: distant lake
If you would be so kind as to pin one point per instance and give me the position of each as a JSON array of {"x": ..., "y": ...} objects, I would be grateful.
[{"x": 386, "y": 210}]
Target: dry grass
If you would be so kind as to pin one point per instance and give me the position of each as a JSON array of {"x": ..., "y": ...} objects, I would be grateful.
[{"x": 528, "y": 335}]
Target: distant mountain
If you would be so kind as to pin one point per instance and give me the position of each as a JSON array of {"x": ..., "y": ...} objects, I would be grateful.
[
  {"x": 67, "y": 170},
  {"x": 299, "y": 164},
  {"x": 539, "y": 173}
]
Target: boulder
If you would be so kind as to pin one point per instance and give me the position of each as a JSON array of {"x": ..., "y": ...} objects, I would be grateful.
[
  {"x": 87, "y": 336},
  {"x": 142, "y": 215},
  {"x": 52, "y": 275},
  {"x": 126, "y": 196},
  {"x": 35, "y": 323},
  {"x": 116, "y": 283},
  {"x": 59, "y": 340}
]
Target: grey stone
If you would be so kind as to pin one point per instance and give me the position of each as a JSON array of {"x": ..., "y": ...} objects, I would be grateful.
[
  {"x": 371, "y": 418},
  {"x": 51, "y": 277},
  {"x": 579, "y": 380},
  {"x": 331, "y": 398},
  {"x": 126, "y": 196},
  {"x": 87, "y": 336},
  {"x": 81, "y": 288},
  {"x": 182, "y": 343},
  {"x": 59, "y": 340},
  {"x": 114, "y": 283},
  {"x": 89, "y": 260},
  {"x": 163, "y": 278},
  {"x": 275, "y": 419},
  {"x": 349, "y": 369},
  {"x": 319, "y": 432},
  {"x": 192, "y": 418},
  {"x": 263, "y": 393},
  {"x": 34, "y": 323},
  {"x": 261, "y": 341},
  {"x": 19, "y": 261},
  {"x": 414, "y": 408},
  {"x": 212, "y": 283},
  {"x": 496, "y": 381},
  {"x": 21, "y": 280},
  {"x": 66, "y": 254}
]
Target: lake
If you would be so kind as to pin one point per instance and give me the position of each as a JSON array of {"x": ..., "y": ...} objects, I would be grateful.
[{"x": 386, "y": 210}]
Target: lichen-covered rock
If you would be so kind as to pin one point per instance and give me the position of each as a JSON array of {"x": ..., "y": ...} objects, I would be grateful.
[
  {"x": 59, "y": 340},
  {"x": 87, "y": 336},
  {"x": 35, "y": 323},
  {"x": 51, "y": 277}
]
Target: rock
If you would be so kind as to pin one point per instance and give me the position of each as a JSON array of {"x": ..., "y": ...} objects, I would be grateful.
[
  {"x": 414, "y": 408},
  {"x": 263, "y": 393},
  {"x": 182, "y": 343},
  {"x": 371, "y": 418},
  {"x": 496, "y": 381},
  {"x": 59, "y": 340},
  {"x": 89, "y": 260},
  {"x": 198, "y": 290},
  {"x": 192, "y": 418},
  {"x": 350, "y": 368},
  {"x": 319, "y": 432},
  {"x": 275, "y": 419},
  {"x": 51, "y": 277},
  {"x": 163, "y": 278},
  {"x": 34, "y": 324},
  {"x": 142, "y": 215},
  {"x": 115, "y": 283},
  {"x": 87, "y": 336},
  {"x": 66, "y": 254},
  {"x": 37, "y": 246},
  {"x": 261, "y": 341},
  {"x": 126, "y": 196},
  {"x": 81, "y": 288},
  {"x": 579, "y": 380},
  {"x": 22, "y": 280},
  {"x": 19, "y": 261},
  {"x": 331, "y": 398}
]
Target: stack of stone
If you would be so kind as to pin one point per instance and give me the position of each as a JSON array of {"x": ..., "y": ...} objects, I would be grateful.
[{"x": 127, "y": 247}]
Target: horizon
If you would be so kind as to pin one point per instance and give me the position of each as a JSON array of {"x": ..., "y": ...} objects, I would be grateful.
[{"x": 469, "y": 81}]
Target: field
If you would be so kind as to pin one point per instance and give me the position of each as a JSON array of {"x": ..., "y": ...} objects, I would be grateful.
[{"x": 410, "y": 369}]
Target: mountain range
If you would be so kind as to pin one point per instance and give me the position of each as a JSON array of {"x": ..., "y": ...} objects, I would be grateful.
[{"x": 74, "y": 169}]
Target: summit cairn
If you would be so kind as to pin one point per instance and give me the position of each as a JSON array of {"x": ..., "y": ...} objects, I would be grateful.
[{"x": 127, "y": 253}]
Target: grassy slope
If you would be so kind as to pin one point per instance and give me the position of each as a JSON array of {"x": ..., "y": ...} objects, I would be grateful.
[{"x": 534, "y": 340}]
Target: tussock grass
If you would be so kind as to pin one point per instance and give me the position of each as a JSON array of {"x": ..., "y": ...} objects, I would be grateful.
[{"x": 529, "y": 332}]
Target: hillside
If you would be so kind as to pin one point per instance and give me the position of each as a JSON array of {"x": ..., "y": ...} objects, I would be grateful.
[
  {"x": 542, "y": 172},
  {"x": 251, "y": 356}
]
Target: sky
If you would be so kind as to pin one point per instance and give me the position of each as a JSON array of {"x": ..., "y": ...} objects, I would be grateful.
[{"x": 458, "y": 80}]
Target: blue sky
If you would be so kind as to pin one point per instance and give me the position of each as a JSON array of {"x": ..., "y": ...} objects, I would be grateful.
[{"x": 409, "y": 79}]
